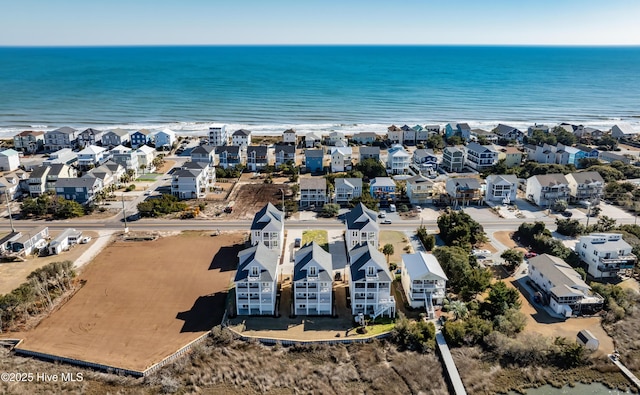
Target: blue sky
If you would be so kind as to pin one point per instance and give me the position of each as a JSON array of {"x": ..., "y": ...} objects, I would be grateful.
[{"x": 172, "y": 22}]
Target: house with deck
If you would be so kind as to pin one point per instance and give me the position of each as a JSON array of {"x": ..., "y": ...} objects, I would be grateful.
[
  {"x": 204, "y": 153},
  {"x": 256, "y": 281},
  {"x": 27, "y": 242},
  {"x": 585, "y": 186},
  {"x": 453, "y": 159},
  {"x": 501, "y": 188},
  {"x": 312, "y": 140},
  {"x": 506, "y": 132},
  {"x": 423, "y": 281},
  {"x": 89, "y": 137},
  {"x": 408, "y": 135},
  {"x": 369, "y": 153},
  {"x": 480, "y": 157},
  {"x": 268, "y": 228},
  {"x": 257, "y": 157},
  {"x": 395, "y": 134},
  {"x": 64, "y": 155},
  {"x": 91, "y": 156},
  {"x": 512, "y": 156},
  {"x": 623, "y": 131},
  {"x": 146, "y": 155},
  {"x": 314, "y": 160},
  {"x": 425, "y": 160},
  {"x": 127, "y": 158},
  {"x": 362, "y": 227},
  {"x": 313, "y": 191},
  {"x": 607, "y": 255},
  {"x": 383, "y": 189},
  {"x": 337, "y": 139},
  {"x": 140, "y": 138},
  {"x": 370, "y": 282},
  {"x": 82, "y": 190},
  {"x": 229, "y": 156},
  {"x": 364, "y": 138},
  {"x": 241, "y": 138},
  {"x": 285, "y": 154},
  {"x": 289, "y": 137},
  {"x": 341, "y": 159},
  {"x": 218, "y": 136},
  {"x": 29, "y": 141},
  {"x": 347, "y": 189},
  {"x": 114, "y": 138},
  {"x": 464, "y": 191},
  {"x": 546, "y": 189},
  {"x": 461, "y": 130},
  {"x": 312, "y": 281},
  {"x": 419, "y": 190},
  {"x": 165, "y": 138},
  {"x": 56, "y": 172},
  {"x": 64, "y": 137},
  {"x": 37, "y": 180},
  {"x": 398, "y": 160}
]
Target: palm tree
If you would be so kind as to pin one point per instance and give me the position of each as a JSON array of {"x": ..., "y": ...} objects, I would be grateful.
[
  {"x": 459, "y": 309},
  {"x": 388, "y": 250}
]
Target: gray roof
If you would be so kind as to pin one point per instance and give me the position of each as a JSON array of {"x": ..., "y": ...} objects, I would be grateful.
[
  {"x": 369, "y": 150},
  {"x": 56, "y": 169},
  {"x": 510, "y": 178},
  {"x": 351, "y": 182},
  {"x": 550, "y": 180},
  {"x": 260, "y": 255},
  {"x": 260, "y": 150},
  {"x": 231, "y": 149},
  {"x": 383, "y": 182},
  {"x": 241, "y": 132},
  {"x": 565, "y": 280},
  {"x": 194, "y": 165},
  {"x": 365, "y": 135},
  {"x": 423, "y": 152},
  {"x": 65, "y": 130},
  {"x": 289, "y": 149},
  {"x": 463, "y": 126},
  {"x": 453, "y": 149},
  {"x": 364, "y": 255},
  {"x": 502, "y": 129},
  {"x": 203, "y": 149},
  {"x": 65, "y": 235},
  {"x": 312, "y": 253},
  {"x": 314, "y": 153},
  {"x": 39, "y": 171},
  {"x": 269, "y": 214},
  {"x": 360, "y": 216},
  {"x": 87, "y": 181},
  {"x": 92, "y": 131},
  {"x": 587, "y": 177},
  {"x": 313, "y": 183},
  {"x": 479, "y": 148},
  {"x": 119, "y": 132},
  {"x": 466, "y": 183},
  {"x": 187, "y": 173}
]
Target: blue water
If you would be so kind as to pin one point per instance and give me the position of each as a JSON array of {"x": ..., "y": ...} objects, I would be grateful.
[{"x": 316, "y": 87}]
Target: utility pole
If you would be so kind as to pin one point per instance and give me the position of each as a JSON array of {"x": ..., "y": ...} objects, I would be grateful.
[
  {"x": 6, "y": 195},
  {"x": 283, "y": 209},
  {"x": 124, "y": 216}
]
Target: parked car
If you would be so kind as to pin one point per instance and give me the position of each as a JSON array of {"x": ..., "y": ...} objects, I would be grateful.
[
  {"x": 530, "y": 254},
  {"x": 386, "y": 222},
  {"x": 481, "y": 252},
  {"x": 85, "y": 240},
  {"x": 297, "y": 243},
  {"x": 382, "y": 215},
  {"x": 567, "y": 214}
]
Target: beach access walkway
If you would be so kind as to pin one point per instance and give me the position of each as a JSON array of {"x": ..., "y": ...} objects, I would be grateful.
[
  {"x": 632, "y": 377},
  {"x": 449, "y": 365}
]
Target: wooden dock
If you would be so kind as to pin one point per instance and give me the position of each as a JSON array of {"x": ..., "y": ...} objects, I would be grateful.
[
  {"x": 632, "y": 377},
  {"x": 449, "y": 365}
]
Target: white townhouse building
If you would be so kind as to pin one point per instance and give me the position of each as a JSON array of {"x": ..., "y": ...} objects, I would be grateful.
[
  {"x": 256, "y": 281},
  {"x": 423, "y": 280},
  {"x": 312, "y": 281},
  {"x": 480, "y": 157},
  {"x": 395, "y": 134},
  {"x": 268, "y": 228},
  {"x": 193, "y": 180},
  {"x": 501, "y": 188},
  {"x": 146, "y": 155},
  {"x": 91, "y": 156},
  {"x": 127, "y": 158},
  {"x": 607, "y": 254},
  {"x": 289, "y": 137},
  {"x": 562, "y": 287},
  {"x": 398, "y": 160},
  {"x": 586, "y": 185},
  {"x": 347, "y": 189},
  {"x": 370, "y": 282},
  {"x": 546, "y": 189},
  {"x": 419, "y": 190},
  {"x": 362, "y": 227},
  {"x": 241, "y": 138},
  {"x": 341, "y": 159},
  {"x": 9, "y": 160},
  {"x": 313, "y": 191},
  {"x": 218, "y": 135}
]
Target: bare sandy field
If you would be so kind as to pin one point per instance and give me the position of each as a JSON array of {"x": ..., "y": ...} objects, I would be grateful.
[{"x": 142, "y": 301}]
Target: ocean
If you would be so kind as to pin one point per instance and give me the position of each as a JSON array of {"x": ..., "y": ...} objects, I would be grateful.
[{"x": 268, "y": 89}]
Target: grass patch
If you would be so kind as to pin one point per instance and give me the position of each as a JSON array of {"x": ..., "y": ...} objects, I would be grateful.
[
  {"x": 378, "y": 329},
  {"x": 148, "y": 177},
  {"x": 319, "y": 236},
  {"x": 398, "y": 240}
]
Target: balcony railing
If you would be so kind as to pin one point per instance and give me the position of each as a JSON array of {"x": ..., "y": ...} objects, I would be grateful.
[{"x": 622, "y": 261}]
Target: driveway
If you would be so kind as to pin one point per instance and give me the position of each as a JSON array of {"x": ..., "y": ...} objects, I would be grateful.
[{"x": 338, "y": 251}]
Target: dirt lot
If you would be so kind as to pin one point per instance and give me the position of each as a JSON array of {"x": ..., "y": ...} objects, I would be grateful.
[
  {"x": 248, "y": 198},
  {"x": 142, "y": 301}
]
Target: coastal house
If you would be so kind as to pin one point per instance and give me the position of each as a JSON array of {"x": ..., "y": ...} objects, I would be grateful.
[
  {"x": 543, "y": 128},
  {"x": 364, "y": 138},
  {"x": 408, "y": 135},
  {"x": 341, "y": 159},
  {"x": 512, "y": 156},
  {"x": 229, "y": 156},
  {"x": 423, "y": 281},
  {"x": 165, "y": 138},
  {"x": 10, "y": 185},
  {"x": 347, "y": 189},
  {"x": 461, "y": 130},
  {"x": 289, "y": 137},
  {"x": 209, "y": 172},
  {"x": 241, "y": 138},
  {"x": 29, "y": 141},
  {"x": 256, "y": 281},
  {"x": 585, "y": 186},
  {"x": 82, "y": 190},
  {"x": 453, "y": 159},
  {"x": 509, "y": 133},
  {"x": 313, "y": 191},
  {"x": 9, "y": 160},
  {"x": 370, "y": 282},
  {"x": 562, "y": 288},
  {"x": 546, "y": 189},
  {"x": 369, "y": 153},
  {"x": 501, "y": 188},
  {"x": 218, "y": 136},
  {"x": 114, "y": 138},
  {"x": 395, "y": 134},
  {"x": 26, "y": 243},
  {"x": 426, "y": 132},
  {"x": 140, "y": 137},
  {"x": 483, "y": 137},
  {"x": 606, "y": 254},
  {"x": 127, "y": 158},
  {"x": 567, "y": 155},
  {"x": 89, "y": 137},
  {"x": 480, "y": 157},
  {"x": 56, "y": 172},
  {"x": 257, "y": 157},
  {"x": 314, "y": 160},
  {"x": 398, "y": 160},
  {"x": 337, "y": 139},
  {"x": 623, "y": 131},
  {"x": 419, "y": 190},
  {"x": 312, "y": 140},
  {"x": 425, "y": 160},
  {"x": 64, "y": 137},
  {"x": 285, "y": 154},
  {"x": 362, "y": 227},
  {"x": 312, "y": 281},
  {"x": 146, "y": 155},
  {"x": 64, "y": 241},
  {"x": 590, "y": 152},
  {"x": 190, "y": 182},
  {"x": 608, "y": 157},
  {"x": 109, "y": 173},
  {"x": 64, "y": 155},
  {"x": 383, "y": 189},
  {"x": 464, "y": 191},
  {"x": 91, "y": 156},
  {"x": 268, "y": 228},
  {"x": 204, "y": 153},
  {"x": 37, "y": 180}
]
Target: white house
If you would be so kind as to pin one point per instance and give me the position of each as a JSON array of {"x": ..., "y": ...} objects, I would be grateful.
[
  {"x": 241, "y": 138},
  {"x": 312, "y": 281},
  {"x": 623, "y": 130},
  {"x": 419, "y": 190},
  {"x": 501, "y": 188},
  {"x": 586, "y": 185},
  {"x": 606, "y": 254},
  {"x": 562, "y": 287},
  {"x": 256, "y": 281},
  {"x": 64, "y": 155},
  {"x": 453, "y": 159},
  {"x": 337, "y": 139},
  {"x": 37, "y": 180},
  {"x": 370, "y": 282},
  {"x": 398, "y": 160},
  {"x": 423, "y": 280},
  {"x": 204, "y": 153},
  {"x": 546, "y": 189},
  {"x": 268, "y": 228},
  {"x": 189, "y": 183},
  {"x": 395, "y": 134},
  {"x": 65, "y": 240},
  {"x": 362, "y": 227},
  {"x": 146, "y": 155},
  {"x": 341, "y": 159},
  {"x": 126, "y": 157},
  {"x": 9, "y": 160},
  {"x": 29, "y": 141},
  {"x": 313, "y": 191},
  {"x": 480, "y": 157},
  {"x": 218, "y": 135},
  {"x": 312, "y": 140},
  {"x": 91, "y": 156},
  {"x": 347, "y": 189},
  {"x": 289, "y": 137},
  {"x": 165, "y": 138}
]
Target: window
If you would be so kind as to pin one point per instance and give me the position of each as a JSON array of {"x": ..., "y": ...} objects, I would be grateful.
[
  {"x": 254, "y": 271},
  {"x": 313, "y": 271},
  {"x": 370, "y": 271}
]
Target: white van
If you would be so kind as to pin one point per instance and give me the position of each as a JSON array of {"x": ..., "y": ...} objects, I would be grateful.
[{"x": 392, "y": 208}]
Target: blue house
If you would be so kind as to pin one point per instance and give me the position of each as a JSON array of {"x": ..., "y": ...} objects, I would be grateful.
[
  {"x": 458, "y": 129},
  {"x": 139, "y": 138},
  {"x": 314, "y": 160},
  {"x": 383, "y": 189},
  {"x": 81, "y": 190},
  {"x": 228, "y": 156},
  {"x": 591, "y": 153},
  {"x": 425, "y": 159}
]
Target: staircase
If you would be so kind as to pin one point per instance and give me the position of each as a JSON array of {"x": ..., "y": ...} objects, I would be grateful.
[
  {"x": 428, "y": 305},
  {"x": 384, "y": 306}
]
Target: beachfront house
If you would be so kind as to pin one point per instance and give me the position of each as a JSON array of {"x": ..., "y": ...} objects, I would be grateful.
[
  {"x": 312, "y": 281},
  {"x": 64, "y": 137},
  {"x": 509, "y": 133},
  {"x": 395, "y": 134},
  {"x": 82, "y": 190},
  {"x": 546, "y": 189},
  {"x": 453, "y": 159},
  {"x": 623, "y": 131},
  {"x": 218, "y": 136},
  {"x": 347, "y": 189},
  {"x": 419, "y": 190},
  {"x": 425, "y": 160},
  {"x": 337, "y": 139},
  {"x": 140, "y": 138},
  {"x": 369, "y": 153},
  {"x": 464, "y": 191},
  {"x": 383, "y": 189},
  {"x": 398, "y": 160},
  {"x": 289, "y": 137},
  {"x": 314, "y": 160},
  {"x": 285, "y": 154},
  {"x": 257, "y": 157},
  {"x": 204, "y": 153},
  {"x": 427, "y": 131},
  {"x": 256, "y": 281},
  {"x": 114, "y": 138},
  {"x": 313, "y": 191},
  {"x": 89, "y": 137},
  {"x": 606, "y": 254},
  {"x": 482, "y": 136},
  {"x": 480, "y": 157},
  {"x": 146, "y": 155},
  {"x": 585, "y": 186},
  {"x": 29, "y": 141},
  {"x": 165, "y": 138},
  {"x": 561, "y": 287},
  {"x": 461, "y": 130},
  {"x": 543, "y": 128},
  {"x": 341, "y": 159},
  {"x": 362, "y": 227},
  {"x": 127, "y": 158},
  {"x": 370, "y": 282},
  {"x": 364, "y": 138},
  {"x": 9, "y": 160},
  {"x": 241, "y": 138},
  {"x": 312, "y": 140},
  {"x": 268, "y": 228},
  {"x": 501, "y": 188},
  {"x": 512, "y": 156},
  {"x": 64, "y": 241},
  {"x": 91, "y": 156},
  {"x": 229, "y": 156},
  {"x": 408, "y": 135},
  {"x": 56, "y": 172},
  {"x": 423, "y": 280}
]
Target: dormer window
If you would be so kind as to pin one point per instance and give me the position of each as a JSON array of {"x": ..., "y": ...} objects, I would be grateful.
[
  {"x": 313, "y": 271},
  {"x": 254, "y": 271},
  {"x": 371, "y": 271}
]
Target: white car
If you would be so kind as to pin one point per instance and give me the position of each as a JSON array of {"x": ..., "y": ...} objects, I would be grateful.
[
  {"x": 481, "y": 252},
  {"x": 382, "y": 215},
  {"x": 85, "y": 240},
  {"x": 386, "y": 222}
]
